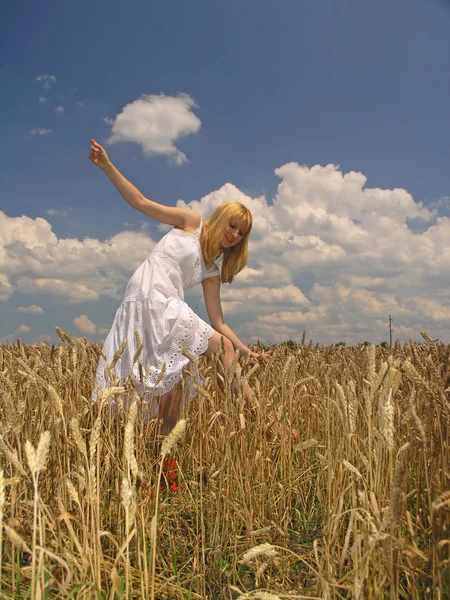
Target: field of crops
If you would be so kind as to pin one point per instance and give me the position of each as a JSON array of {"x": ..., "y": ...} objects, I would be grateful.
[{"x": 356, "y": 506}]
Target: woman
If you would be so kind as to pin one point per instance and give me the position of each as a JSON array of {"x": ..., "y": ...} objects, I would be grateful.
[{"x": 154, "y": 299}]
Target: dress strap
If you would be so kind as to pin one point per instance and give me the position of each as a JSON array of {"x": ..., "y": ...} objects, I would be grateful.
[{"x": 198, "y": 231}]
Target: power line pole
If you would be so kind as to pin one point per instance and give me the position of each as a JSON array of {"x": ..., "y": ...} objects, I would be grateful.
[{"x": 390, "y": 331}]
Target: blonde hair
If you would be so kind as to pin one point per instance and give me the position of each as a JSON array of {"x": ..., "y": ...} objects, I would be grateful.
[{"x": 235, "y": 258}]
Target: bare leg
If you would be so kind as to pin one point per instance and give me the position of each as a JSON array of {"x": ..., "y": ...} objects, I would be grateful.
[
  {"x": 169, "y": 412},
  {"x": 170, "y": 403},
  {"x": 169, "y": 409}
]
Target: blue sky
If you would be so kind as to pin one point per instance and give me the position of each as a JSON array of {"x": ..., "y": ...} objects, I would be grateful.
[{"x": 360, "y": 85}]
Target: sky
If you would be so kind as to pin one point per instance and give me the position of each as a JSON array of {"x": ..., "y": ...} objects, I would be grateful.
[{"x": 329, "y": 119}]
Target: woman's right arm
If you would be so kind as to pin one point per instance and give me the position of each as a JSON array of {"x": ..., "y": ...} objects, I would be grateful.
[{"x": 171, "y": 215}]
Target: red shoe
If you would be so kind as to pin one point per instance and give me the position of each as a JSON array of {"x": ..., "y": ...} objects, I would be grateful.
[
  {"x": 170, "y": 468},
  {"x": 169, "y": 475}
]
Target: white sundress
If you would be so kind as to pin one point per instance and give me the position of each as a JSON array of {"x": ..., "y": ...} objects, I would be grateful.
[{"x": 154, "y": 306}]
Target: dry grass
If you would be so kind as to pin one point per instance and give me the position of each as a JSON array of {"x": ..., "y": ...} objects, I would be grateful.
[{"x": 358, "y": 507}]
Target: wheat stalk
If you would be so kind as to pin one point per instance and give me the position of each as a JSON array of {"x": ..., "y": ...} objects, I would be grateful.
[
  {"x": 36, "y": 458},
  {"x": 266, "y": 550},
  {"x": 352, "y": 487},
  {"x": 77, "y": 437},
  {"x": 170, "y": 440},
  {"x": 36, "y": 461},
  {"x": 16, "y": 539},
  {"x": 2, "y": 504},
  {"x": 351, "y": 468},
  {"x": 139, "y": 347},
  {"x": 397, "y": 495},
  {"x": 129, "y": 452}
]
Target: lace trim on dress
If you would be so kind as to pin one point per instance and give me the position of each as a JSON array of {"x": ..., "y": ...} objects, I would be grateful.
[{"x": 190, "y": 333}]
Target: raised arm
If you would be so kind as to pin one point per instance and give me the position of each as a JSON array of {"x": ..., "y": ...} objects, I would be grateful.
[
  {"x": 211, "y": 293},
  {"x": 171, "y": 215}
]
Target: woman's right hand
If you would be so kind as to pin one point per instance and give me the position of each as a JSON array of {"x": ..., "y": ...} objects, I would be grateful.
[
  {"x": 98, "y": 155},
  {"x": 260, "y": 355}
]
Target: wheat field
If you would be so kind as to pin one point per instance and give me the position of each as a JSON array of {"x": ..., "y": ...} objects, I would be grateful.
[{"x": 356, "y": 506}]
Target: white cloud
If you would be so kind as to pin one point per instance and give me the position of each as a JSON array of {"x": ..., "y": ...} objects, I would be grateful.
[
  {"x": 59, "y": 110},
  {"x": 156, "y": 122},
  {"x": 39, "y": 131},
  {"x": 80, "y": 103},
  {"x": 69, "y": 291},
  {"x": 143, "y": 225},
  {"x": 46, "y": 338},
  {"x": 65, "y": 212},
  {"x": 32, "y": 309},
  {"x": 6, "y": 287},
  {"x": 11, "y": 337},
  {"x": 35, "y": 261},
  {"x": 84, "y": 324},
  {"x": 246, "y": 299},
  {"x": 442, "y": 204},
  {"x": 348, "y": 249},
  {"x": 46, "y": 80},
  {"x": 42, "y": 99}
]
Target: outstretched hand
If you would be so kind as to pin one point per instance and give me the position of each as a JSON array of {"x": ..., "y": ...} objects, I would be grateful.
[
  {"x": 260, "y": 355},
  {"x": 98, "y": 155}
]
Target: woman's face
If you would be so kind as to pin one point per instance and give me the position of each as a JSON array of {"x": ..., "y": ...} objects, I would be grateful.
[{"x": 234, "y": 232}]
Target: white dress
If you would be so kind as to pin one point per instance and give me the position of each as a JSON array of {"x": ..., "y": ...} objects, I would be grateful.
[{"x": 154, "y": 306}]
